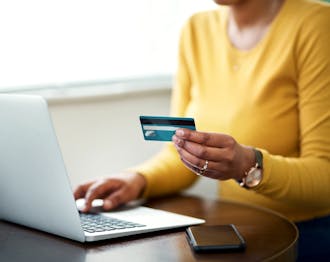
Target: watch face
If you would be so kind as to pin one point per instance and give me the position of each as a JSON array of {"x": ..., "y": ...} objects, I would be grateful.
[{"x": 253, "y": 178}]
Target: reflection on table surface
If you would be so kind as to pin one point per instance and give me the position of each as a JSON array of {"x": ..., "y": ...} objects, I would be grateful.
[
  {"x": 267, "y": 235},
  {"x": 25, "y": 244}
]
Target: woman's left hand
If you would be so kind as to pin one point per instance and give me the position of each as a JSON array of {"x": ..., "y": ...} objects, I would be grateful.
[{"x": 213, "y": 155}]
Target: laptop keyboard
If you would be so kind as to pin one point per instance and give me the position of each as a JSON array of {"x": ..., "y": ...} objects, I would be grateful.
[{"x": 97, "y": 223}]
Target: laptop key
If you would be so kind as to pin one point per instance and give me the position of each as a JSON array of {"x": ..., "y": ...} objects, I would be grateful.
[{"x": 97, "y": 223}]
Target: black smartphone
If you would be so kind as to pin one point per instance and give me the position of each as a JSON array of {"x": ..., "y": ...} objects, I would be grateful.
[{"x": 217, "y": 238}]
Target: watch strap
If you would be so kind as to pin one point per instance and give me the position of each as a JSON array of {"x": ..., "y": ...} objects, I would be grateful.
[{"x": 259, "y": 158}]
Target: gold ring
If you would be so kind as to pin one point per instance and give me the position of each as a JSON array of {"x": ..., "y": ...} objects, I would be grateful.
[{"x": 204, "y": 168}]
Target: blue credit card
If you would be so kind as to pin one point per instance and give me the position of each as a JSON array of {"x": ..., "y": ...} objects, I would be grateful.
[{"x": 162, "y": 128}]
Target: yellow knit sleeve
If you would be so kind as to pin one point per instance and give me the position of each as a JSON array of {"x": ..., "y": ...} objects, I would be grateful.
[
  {"x": 165, "y": 173},
  {"x": 305, "y": 180}
]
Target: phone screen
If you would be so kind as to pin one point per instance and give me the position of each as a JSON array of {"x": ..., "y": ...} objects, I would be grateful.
[{"x": 215, "y": 238}]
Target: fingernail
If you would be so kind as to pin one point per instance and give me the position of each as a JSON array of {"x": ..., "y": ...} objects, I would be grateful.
[
  {"x": 179, "y": 132},
  {"x": 107, "y": 204},
  {"x": 179, "y": 143}
]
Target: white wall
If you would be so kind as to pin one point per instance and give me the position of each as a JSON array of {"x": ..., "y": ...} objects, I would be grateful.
[{"x": 101, "y": 135}]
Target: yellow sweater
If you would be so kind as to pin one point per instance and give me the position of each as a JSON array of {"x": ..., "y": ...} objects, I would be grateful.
[{"x": 275, "y": 97}]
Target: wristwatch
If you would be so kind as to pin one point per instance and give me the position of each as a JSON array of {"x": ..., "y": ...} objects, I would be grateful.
[{"x": 253, "y": 177}]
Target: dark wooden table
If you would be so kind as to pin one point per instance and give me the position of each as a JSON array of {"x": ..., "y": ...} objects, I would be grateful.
[{"x": 268, "y": 237}]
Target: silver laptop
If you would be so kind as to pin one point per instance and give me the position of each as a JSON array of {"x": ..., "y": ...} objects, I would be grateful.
[{"x": 35, "y": 190}]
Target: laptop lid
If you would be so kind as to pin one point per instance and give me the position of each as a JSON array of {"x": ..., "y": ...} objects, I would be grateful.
[{"x": 34, "y": 188}]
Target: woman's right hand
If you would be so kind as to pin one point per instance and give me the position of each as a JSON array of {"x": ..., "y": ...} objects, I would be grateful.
[{"x": 115, "y": 190}]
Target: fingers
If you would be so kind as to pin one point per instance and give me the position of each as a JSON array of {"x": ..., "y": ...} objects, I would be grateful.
[
  {"x": 116, "y": 199},
  {"x": 201, "y": 151},
  {"x": 196, "y": 164},
  {"x": 205, "y": 138},
  {"x": 208, "y": 173},
  {"x": 81, "y": 190},
  {"x": 201, "y": 146},
  {"x": 114, "y": 190},
  {"x": 99, "y": 190},
  {"x": 219, "y": 150}
]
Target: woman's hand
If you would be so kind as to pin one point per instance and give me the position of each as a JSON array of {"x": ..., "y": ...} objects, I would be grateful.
[
  {"x": 114, "y": 190},
  {"x": 213, "y": 155}
]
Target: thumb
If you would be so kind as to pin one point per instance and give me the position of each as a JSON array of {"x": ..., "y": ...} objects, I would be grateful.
[{"x": 107, "y": 204}]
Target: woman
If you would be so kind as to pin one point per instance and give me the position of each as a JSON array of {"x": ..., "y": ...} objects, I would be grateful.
[{"x": 255, "y": 76}]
